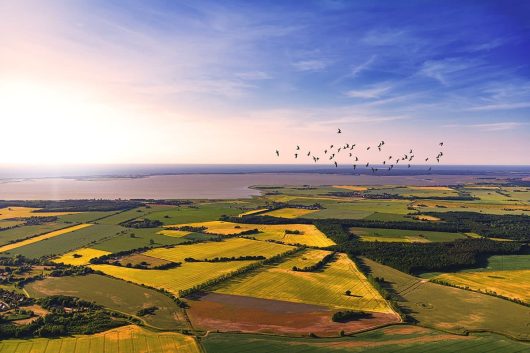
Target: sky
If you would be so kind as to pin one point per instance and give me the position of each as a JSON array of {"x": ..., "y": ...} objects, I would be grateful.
[{"x": 106, "y": 81}]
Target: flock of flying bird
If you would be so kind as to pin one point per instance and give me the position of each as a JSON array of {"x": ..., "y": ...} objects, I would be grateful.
[{"x": 347, "y": 148}]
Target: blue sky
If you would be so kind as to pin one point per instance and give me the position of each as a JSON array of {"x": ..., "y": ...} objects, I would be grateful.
[{"x": 231, "y": 81}]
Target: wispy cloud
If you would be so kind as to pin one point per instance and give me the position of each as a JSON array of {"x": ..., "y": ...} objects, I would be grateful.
[
  {"x": 254, "y": 75},
  {"x": 310, "y": 65},
  {"x": 441, "y": 70},
  {"x": 499, "y": 126},
  {"x": 369, "y": 93},
  {"x": 500, "y": 106}
]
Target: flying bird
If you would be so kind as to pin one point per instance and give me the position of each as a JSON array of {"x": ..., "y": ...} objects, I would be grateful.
[
  {"x": 296, "y": 155},
  {"x": 354, "y": 166},
  {"x": 339, "y": 131},
  {"x": 441, "y": 143},
  {"x": 308, "y": 153},
  {"x": 426, "y": 159},
  {"x": 297, "y": 148},
  {"x": 336, "y": 165},
  {"x": 325, "y": 151},
  {"x": 367, "y": 148},
  {"x": 277, "y": 153},
  {"x": 356, "y": 159}
]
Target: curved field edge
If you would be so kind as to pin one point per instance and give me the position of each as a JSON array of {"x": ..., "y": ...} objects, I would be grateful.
[
  {"x": 402, "y": 338},
  {"x": 123, "y": 339}
]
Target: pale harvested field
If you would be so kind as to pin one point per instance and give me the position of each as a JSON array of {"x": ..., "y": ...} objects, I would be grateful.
[
  {"x": 43, "y": 237},
  {"x": 351, "y": 187},
  {"x": 310, "y": 236},
  {"x": 513, "y": 284},
  {"x": 127, "y": 339},
  {"x": 26, "y": 212},
  {"x": 86, "y": 254},
  {"x": 289, "y": 212}
]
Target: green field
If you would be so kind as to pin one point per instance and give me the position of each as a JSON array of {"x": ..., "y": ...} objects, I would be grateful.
[
  {"x": 15, "y": 234},
  {"x": 359, "y": 209},
  {"x": 198, "y": 213},
  {"x": 66, "y": 242},
  {"x": 233, "y": 247},
  {"x": 120, "y": 340},
  {"x": 393, "y": 339},
  {"x": 128, "y": 239},
  {"x": 326, "y": 287},
  {"x": 123, "y": 216},
  {"x": 85, "y": 217},
  {"x": 399, "y": 235},
  {"x": 453, "y": 309},
  {"x": 114, "y": 294}
]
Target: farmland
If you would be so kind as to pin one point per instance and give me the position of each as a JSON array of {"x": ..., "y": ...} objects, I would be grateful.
[
  {"x": 289, "y": 212},
  {"x": 25, "y": 212},
  {"x": 115, "y": 295},
  {"x": 124, "y": 339},
  {"x": 235, "y": 247},
  {"x": 326, "y": 287},
  {"x": 452, "y": 309},
  {"x": 403, "y": 339},
  {"x": 80, "y": 256},
  {"x": 283, "y": 264},
  {"x": 176, "y": 279},
  {"x": 398, "y": 235},
  {"x": 307, "y": 234},
  {"x": 513, "y": 284},
  {"x": 46, "y": 236}
]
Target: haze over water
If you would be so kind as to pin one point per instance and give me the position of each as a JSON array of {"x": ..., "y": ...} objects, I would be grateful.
[{"x": 213, "y": 182}]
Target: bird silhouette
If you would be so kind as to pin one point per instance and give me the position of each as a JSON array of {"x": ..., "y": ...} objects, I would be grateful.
[
  {"x": 338, "y": 150},
  {"x": 330, "y": 147},
  {"x": 390, "y": 157},
  {"x": 384, "y": 162},
  {"x": 354, "y": 166},
  {"x": 441, "y": 143},
  {"x": 325, "y": 151},
  {"x": 426, "y": 159},
  {"x": 356, "y": 159},
  {"x": 410, "y": 152},
  {"x": 339, "y": 131},
  {"x": 308, "y": 153},
  {"x": 367, "y": 164},
  {"x": 336, "y": 165},
  {"x": 409, "y": 166},
  {"x": 367, "y": 148},
  {"x": 297, "y": 148},
  {"x": 296, "y": 155},
  {"x": 350, "y": 154},
  {"x": 277, "y": 153}
]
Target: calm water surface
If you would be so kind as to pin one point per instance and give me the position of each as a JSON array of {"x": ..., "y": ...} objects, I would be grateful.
[{"x": 196, "y": 186}]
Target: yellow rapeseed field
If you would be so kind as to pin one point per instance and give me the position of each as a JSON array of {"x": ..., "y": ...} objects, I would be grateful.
[
  {"x": 122, "y": 339},
  {"x": 26, "y": 212},
  {"x": 82, "y": 256},
  {"x": 252, "y": 212},
  {"x": 511, "y": 283},
  {"x": 42, "y": 237},
  {"x": 174, "y": 233},
  {"x": 289, "y": 212},
  {"x": 176, "y": 279},
  {"x": 309, "y": 234},
  {"x": 326, "y": 287},
  {"x": 351, "y": 187},
  {"x": 234, "y": 247}
]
